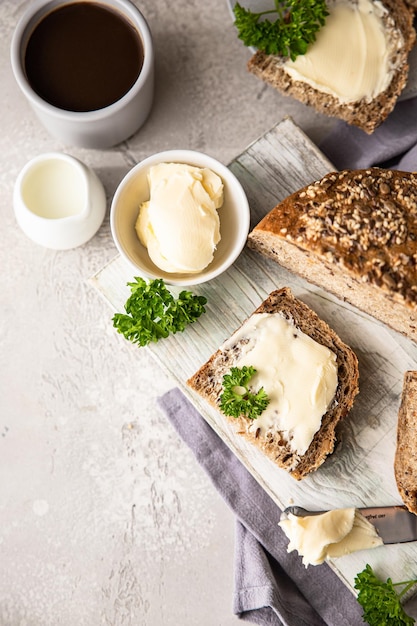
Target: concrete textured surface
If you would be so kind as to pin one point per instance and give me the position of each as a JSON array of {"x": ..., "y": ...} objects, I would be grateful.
[{"x": 105, "y": 516}]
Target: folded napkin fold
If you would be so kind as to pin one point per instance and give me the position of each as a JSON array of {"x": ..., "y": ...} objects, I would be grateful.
[
  {"x": 272, "y": 587},
  {"x": 393, "y": 144}
]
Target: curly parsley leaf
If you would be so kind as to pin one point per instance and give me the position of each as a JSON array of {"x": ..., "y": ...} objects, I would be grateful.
[
  {"x": 237, "y": 399},
  {"x": 290, "y": 34},
  {"x": 380, "y": 602},
  {"x": 152, "y": 312}
]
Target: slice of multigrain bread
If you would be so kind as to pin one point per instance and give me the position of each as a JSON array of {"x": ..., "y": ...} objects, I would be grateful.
[
  {"x": 353, "y": 233},
  {"x": 366, "y": 113},
  {"x": 207, "y": 382},
  {"x": 405, "y": 462}
]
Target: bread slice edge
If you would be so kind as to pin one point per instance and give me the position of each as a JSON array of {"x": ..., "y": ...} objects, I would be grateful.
[{"x": 405, "y": 460}]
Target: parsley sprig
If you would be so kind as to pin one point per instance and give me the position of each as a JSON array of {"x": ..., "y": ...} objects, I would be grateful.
[
  {"x": 152, "y": 312},
  {"x": 380, "y": 602},
  {"x": 236, "y": 399},
  {"x": 290, "y": 34}
]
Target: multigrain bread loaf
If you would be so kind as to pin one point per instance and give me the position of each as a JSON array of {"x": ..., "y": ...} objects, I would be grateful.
[
  {"x": 207, "y": 382},
  {"x": 405, "y": 462},
  {"x": 365, "y": 111},
  {"x": 353, "y": 233}
]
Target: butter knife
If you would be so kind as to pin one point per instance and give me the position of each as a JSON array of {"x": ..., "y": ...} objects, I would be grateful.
[{"x": 394, "y": 524}]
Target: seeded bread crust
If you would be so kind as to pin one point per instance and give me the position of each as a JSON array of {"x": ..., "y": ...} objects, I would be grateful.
[
  {"x": 365, "y": 115},
  {"x": 405, "y": 462},
  {"x": 207, "y": 382},
  {"x": 353, "y": 233}
]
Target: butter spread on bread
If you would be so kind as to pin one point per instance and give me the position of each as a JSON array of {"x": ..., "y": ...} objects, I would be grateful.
[
  {"x": 271, "y": 435},
  {"x": 353, "y": 233},
  {"x": 374, "y": 45},
  {"x": 356, "y": 68},
  {"x": 405, "y": 461},
  {"x": 282, "y": 356}
]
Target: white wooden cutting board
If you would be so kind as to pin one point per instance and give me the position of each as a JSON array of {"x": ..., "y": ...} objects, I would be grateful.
[{"x": 360, "y": 472}]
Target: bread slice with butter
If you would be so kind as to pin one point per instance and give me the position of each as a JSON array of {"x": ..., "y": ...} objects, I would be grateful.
[
  {"x": 357, "y": 67},
  {"x": 353, "y": 233},
  {"x": 405, "y": 461},
  {"x": 294, "y": 353}
]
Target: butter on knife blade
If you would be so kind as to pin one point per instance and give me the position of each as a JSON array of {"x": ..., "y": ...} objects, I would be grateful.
[
  {"x": 394, "y": 524},
  {"x": 328, "y": 535}
]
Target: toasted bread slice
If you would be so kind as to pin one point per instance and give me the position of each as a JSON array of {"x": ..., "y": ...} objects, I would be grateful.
[
  {"x": 405, "y": 462},
  {"x": 207, "y": 382},
  {"x": 369, "y": 111},
  {"x": 353, "y": 233}
]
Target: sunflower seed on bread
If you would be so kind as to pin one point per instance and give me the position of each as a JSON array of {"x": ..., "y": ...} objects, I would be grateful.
[
  {"x": 274, "y": 441},
  {"x": 353, "y": 233}
]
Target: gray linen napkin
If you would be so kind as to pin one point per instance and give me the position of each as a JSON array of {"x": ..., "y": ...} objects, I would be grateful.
[
  {"x": 392, "y": 145},
  {"x": 272, "y": 587}
]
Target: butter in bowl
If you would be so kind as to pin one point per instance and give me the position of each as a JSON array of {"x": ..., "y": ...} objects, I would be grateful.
[{"x": 180, "y": 215}]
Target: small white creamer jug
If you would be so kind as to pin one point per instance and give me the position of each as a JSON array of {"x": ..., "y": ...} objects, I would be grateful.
[{"x": 59, "y": 202}]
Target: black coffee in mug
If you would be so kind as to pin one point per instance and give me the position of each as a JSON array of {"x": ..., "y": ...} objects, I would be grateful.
[{"x": 83, "y": 56}]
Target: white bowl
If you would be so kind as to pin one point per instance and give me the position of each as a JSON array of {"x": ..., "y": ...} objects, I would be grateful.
[
  {"x": 134, "y": 189},
  {"x": 103, "y": 127}
]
